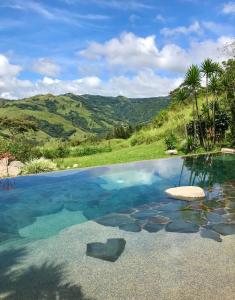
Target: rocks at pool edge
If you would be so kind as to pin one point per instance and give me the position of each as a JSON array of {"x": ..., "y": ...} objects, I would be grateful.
[{"x": 188, "y": 193}]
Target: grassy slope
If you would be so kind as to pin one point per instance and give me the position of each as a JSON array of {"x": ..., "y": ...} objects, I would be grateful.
[
  {"x": 153, "y": 146},
  {"x": 58, "y": 116}
]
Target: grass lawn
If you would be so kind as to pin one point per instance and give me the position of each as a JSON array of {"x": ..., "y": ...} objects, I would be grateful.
[{"x": 121, "y": 155}]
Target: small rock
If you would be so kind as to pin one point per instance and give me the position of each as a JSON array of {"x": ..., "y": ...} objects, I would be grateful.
[
  {"x": 228, "y": 150},
  {"x": 171, "y": 152},
  {"x": 110, "y": 251},
  {"x": 75, "y": 166},
  {"x": 188, "y": 193}
]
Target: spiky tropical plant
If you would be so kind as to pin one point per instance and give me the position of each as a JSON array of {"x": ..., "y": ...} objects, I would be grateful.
[
  {"x": 193, "y": 82},
  {"x": 207, "y": 69}
]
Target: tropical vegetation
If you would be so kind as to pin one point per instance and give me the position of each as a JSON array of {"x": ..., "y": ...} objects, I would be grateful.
[{"x": 78, "y": 131}]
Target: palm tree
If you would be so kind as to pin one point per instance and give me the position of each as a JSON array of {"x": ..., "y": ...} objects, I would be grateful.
[
  {"x": 207, "y": 68},
  {"x": 193, "y": 82}
]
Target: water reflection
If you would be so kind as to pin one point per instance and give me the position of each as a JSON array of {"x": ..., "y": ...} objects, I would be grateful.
[{"x": 133, "y": 190}]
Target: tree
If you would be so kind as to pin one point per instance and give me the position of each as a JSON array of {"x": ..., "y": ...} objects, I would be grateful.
[
  {"x": 207, "y": 68},
  {"x": 228, "y": 80},
  {"x": 193, "y": 82}
]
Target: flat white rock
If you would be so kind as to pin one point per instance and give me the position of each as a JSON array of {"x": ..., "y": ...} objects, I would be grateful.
[
  {"x": 188, "y": 193},
  {"x": 228, "y": 150},
  {"x": 172, "y": 152}
]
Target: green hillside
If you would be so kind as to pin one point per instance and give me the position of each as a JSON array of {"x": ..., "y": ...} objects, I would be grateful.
[{"x": 79, "y": 116}]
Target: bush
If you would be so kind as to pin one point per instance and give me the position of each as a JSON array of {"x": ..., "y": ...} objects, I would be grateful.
[
  {"x": 39, "y": 166},
  {"x": 21, "y": 149},
  {"x": 88, "y": 150},
  {"x": 188, "y": 145},
  {"x": 170, "y": 141},
  {"x": 56, "y": 152}
]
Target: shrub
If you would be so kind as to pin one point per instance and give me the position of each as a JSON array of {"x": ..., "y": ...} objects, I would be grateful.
[
  {"x": 39, "y": 166},
  {"x": 88, "y": 150},
  {"x": 55, "y": 152},
  {"x": 170, "y": 141},
  {"x": 21, "y": 149}
]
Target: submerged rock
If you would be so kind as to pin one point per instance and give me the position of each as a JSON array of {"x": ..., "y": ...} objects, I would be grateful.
[
  {"x": 210, "y": 234},
  {"x": 153, "y": 227},
  {"x": 160, "y": 219},
  {"x": 188, "y": 193},
  {"x": 224, "y": 229},
  {"x": 114, "y": 220},
  {"x": 110, "y": 251},
  {"x": 132, "y": 227},
  {"x": 182, "y": 227}
]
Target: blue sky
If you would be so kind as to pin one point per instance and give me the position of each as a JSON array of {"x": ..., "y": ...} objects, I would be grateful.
[{"x": 137, "y": 48}]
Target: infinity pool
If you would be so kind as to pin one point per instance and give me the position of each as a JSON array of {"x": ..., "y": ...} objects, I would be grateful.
[{"x": 112, "y": 233}]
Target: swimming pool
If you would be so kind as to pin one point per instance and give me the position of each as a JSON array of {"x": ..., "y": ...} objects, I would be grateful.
[{"x": 112, "y": 233}]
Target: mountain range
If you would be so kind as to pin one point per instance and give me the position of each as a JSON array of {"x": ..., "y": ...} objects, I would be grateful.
[{"x": 70, "y": 115}]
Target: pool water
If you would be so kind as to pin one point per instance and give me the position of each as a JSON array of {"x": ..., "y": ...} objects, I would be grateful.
[{"x": 98, "y": 216}]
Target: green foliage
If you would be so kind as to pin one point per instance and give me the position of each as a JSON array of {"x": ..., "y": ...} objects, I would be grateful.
[
  {"x": 123, "y": 131},
  {"x": 55, "y": 152},
  {"x": 17, "y": 126},
  {"x": 161, "y": 118},
  {"x": 21, "y": 149},
  {"x": 38, "y": 166},
  {"x": 88, "y": 150},
  {"x": 170, "y": 141}
]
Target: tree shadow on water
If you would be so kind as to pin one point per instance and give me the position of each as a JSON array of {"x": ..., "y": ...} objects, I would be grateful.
[{"x": 43, "y": 282}]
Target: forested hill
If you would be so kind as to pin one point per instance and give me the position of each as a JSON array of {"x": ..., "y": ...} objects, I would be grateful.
[{"x": 72, "y": 115}]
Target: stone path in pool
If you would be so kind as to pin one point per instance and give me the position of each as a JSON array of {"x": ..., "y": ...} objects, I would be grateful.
[{"x": 213, "y": 218}]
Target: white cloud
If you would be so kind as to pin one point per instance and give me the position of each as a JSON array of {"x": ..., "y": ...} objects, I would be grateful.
[
  {"x": 137, "y": 53},
  {"x": 47, "y": 67},
  {"x": 144, "y": 84},
  {"x": 160, "y": 18},
  {"x": 193, "y": 28},
  {"x": 7, "y": 69},
  {"x": 229, "y": 8}
]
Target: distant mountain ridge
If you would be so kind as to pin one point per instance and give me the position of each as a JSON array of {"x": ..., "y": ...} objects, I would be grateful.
[{"x": 73, "y": 115}]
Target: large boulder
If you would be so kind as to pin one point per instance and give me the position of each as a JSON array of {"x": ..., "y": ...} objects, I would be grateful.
[
  {"x": 14, "y": 168},
  {"x": 188, "y": 193},
  {"x": 3, "y": 167}
]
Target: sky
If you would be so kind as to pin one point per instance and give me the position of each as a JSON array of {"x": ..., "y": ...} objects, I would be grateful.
[{"x": 134, "y": 48}]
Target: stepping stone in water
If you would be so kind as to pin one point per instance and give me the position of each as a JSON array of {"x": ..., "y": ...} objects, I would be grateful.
[
  {"x": 153, "y": 227},
  {"x": 210, "y": 234},
  {"x": 109, "y": 251},
  {"x": 188, "y": 193},
  {"x": 114, "y": 220},
  {"x": 224, "y": 229},
  {"x": 182, "y": 227},
  {"x": 160, "y": 220},
  {"x": 132, "y": 227},
  {"x": 145, "y": 214}
]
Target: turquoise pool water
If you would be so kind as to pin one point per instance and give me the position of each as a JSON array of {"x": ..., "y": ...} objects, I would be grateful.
[{"x": 128, "y": 198}]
